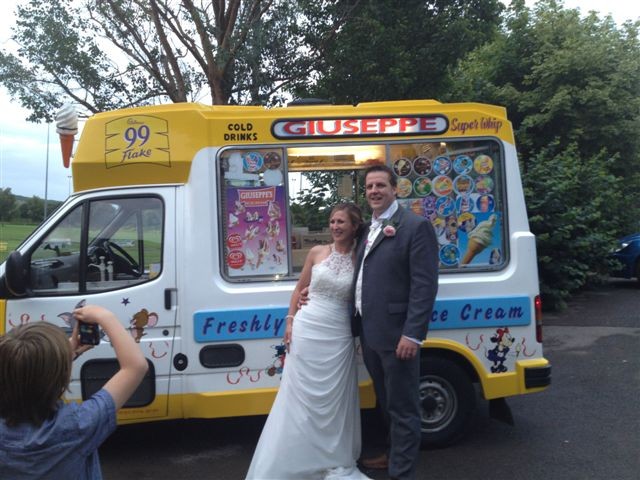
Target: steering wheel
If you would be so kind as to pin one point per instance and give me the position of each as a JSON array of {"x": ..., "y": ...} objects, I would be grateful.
[{"x": 122, "y": 261}]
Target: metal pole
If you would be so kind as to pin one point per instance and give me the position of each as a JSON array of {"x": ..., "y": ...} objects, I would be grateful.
[{"x": 46, "y": 174}]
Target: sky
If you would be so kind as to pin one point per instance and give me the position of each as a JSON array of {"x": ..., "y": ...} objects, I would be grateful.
[{"x": 30, "y": 158}]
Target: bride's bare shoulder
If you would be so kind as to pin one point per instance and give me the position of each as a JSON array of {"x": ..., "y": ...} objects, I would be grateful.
[{"x": 319, "y": 253}]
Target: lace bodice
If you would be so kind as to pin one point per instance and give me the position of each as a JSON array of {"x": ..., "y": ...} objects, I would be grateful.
[{"x": 332, "y": 277}]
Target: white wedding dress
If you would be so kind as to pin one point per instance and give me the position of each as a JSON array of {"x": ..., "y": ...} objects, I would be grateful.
[{"x": 313, "y": 430}]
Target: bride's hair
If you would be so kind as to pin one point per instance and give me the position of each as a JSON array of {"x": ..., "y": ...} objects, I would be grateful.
[{"x": 354, "y": 212}]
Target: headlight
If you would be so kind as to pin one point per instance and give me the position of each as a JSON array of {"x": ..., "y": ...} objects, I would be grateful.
[{"x": 622, "y": 246}]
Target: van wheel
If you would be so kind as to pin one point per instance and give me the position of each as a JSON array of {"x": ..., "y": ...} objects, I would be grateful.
[{"x": 447, "y": 399}]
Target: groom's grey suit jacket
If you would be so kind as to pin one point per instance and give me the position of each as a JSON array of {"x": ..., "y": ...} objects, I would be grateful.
[{"x": 399, "y": 282}]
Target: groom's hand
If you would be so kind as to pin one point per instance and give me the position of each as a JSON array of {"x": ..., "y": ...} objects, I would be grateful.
[
  {"x": 303, "y": 299},
  {"x": 406, "y": 349}
]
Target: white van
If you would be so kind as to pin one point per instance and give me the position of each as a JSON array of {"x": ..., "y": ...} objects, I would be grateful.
[{"x": 192, "y": 223}]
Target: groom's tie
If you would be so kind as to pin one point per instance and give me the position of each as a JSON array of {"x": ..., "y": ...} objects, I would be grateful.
[{"x": 374, "y": 229}]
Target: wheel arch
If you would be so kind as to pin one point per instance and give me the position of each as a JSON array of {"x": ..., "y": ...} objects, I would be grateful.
[{"x": 457, "y": 353}]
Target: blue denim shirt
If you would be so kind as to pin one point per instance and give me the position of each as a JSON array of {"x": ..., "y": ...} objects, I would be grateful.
[{"x": 64, "y": 447}]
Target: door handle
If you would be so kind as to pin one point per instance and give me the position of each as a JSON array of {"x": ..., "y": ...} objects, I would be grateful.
[{"x": 168, "y": 297}]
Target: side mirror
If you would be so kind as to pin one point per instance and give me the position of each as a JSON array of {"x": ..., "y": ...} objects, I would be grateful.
[{"x": 16, "y": 274}]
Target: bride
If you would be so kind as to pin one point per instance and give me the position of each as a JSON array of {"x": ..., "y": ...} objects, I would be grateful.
[{"x": 313, "y": 430}]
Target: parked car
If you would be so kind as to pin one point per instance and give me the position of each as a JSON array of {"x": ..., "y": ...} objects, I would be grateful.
[{"x": 628, "y": 254}]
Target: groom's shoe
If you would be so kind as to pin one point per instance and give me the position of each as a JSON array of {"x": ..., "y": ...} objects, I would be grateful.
[{"x": 381, "y": 462}]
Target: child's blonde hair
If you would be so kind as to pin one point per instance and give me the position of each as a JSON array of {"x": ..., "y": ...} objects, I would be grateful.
[{"x": 35, "y": 370}]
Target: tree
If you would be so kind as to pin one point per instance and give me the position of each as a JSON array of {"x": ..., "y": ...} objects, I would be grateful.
[
  {"x": 123, "y": 53},
  {"x": 391, "y": 50},
  {"x": 401, "y": 50},
  {"x": 32, "y": 210},
  {"x": 570, "y": 85},
  {"x": 7, "y": 204}
]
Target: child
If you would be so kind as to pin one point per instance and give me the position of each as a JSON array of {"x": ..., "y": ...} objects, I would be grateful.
[{"x": 41, "y": 436}]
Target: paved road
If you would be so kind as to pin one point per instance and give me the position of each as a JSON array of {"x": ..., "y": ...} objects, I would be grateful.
[{"x": 586, "y": 426}]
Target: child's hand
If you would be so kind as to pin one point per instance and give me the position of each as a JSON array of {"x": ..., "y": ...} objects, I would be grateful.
[
  {"x": 74, "y": 340},
  {"x": 91, "y": 314}
]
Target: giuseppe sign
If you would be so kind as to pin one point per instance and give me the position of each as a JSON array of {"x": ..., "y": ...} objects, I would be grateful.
[{"x": 360, "y": 126}]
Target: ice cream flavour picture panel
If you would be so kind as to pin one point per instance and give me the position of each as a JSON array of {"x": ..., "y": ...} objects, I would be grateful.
[
  {"x": 456, "y": 186},
  {"x": 256, "y": 239}
]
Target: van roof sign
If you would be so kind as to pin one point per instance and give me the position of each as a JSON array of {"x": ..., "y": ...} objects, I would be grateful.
[
  {"x": 156, "y": 144},
  {"x": 360, "y": 126}
]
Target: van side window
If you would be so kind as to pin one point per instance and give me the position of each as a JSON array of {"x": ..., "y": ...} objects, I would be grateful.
[
  {"x": 103, "y": 244},
  {"x": 124, "y": 242},
  {"x": 254, "y": 221},
  {"x": 55, "y": 259}
]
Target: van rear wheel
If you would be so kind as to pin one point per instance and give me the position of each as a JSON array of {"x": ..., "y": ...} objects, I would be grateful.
[{"x": 447, "y": 399}]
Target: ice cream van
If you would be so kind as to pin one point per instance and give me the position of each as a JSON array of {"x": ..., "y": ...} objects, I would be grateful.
[{"x": 192, "y": 223}]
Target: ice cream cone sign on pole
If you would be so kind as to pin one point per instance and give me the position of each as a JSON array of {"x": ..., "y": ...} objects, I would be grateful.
[{"x": 67, "y": 128}]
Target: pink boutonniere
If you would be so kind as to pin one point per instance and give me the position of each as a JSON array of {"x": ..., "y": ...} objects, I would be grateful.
[{"x": 389, "y": 231}]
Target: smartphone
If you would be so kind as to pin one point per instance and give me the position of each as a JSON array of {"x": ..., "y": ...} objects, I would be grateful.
[{"x": 89, "y": 332}]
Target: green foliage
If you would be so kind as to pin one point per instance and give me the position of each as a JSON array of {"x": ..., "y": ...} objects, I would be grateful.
[
  {"x": 26, "y": 210},
  {"x": 312, "y": 205},
  {"x": 7, "y": 204},
  {"x": 116, "y": 54},
  {"x": 401, "y": 50},
  {"x": 74, "y": 63},
  {"x": 570, "y": 85},
  {"x": 574, "y": 210}
]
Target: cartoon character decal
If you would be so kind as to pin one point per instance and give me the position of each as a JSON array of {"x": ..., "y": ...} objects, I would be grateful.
[
  {"x": 159, "y": 349},
  {"x": 233, "y": 378},
  {"x": 70, "y": 320},
  {"x": 498, "y": 354},
  {"x": 24, "y": 319},
  {"x": 503, "y": 346},
  {"x": 140, "y": 321},
  {"x": 278, "y": 364},
  {"x": 276, "y": 367}
]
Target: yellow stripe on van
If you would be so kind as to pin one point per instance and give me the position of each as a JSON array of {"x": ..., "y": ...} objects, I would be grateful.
[
  {"x": 3, "y": 316},
  {"x": 218, "y": 405}
]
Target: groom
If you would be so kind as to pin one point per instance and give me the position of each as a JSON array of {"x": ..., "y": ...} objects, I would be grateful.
[{"x": 395, "y": 288}]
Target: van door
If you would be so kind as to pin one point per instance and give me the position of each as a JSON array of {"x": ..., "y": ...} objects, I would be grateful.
[{"x": 114, "y": 249}]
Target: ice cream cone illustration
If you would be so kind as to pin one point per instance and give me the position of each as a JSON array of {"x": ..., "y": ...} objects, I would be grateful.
[
  {"x": 473, "y": 249},
  {"x": 263, "y": 251},
  {"x": 67, "y": 128},
  {"x": 479, "y": 238}
]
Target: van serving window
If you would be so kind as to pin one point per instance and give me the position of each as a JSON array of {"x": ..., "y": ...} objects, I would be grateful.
[{"x": 276, "y": 201}]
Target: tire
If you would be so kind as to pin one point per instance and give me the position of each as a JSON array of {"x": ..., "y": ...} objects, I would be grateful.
[{"x": 447, "y": 399}]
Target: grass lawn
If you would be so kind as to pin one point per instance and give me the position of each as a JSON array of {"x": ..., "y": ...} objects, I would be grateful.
[{"x": 11, "y": 235}]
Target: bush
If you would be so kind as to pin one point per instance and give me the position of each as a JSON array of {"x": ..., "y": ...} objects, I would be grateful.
[{"x": 577, "y": 213}]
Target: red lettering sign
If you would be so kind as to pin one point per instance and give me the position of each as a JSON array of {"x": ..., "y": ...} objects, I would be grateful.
[
  {"x": 365, "y": 126},
  {"x": 257, "y": 197}
]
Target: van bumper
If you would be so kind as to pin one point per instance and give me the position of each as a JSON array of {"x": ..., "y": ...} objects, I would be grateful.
[{"x": 537, "y": 377}]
